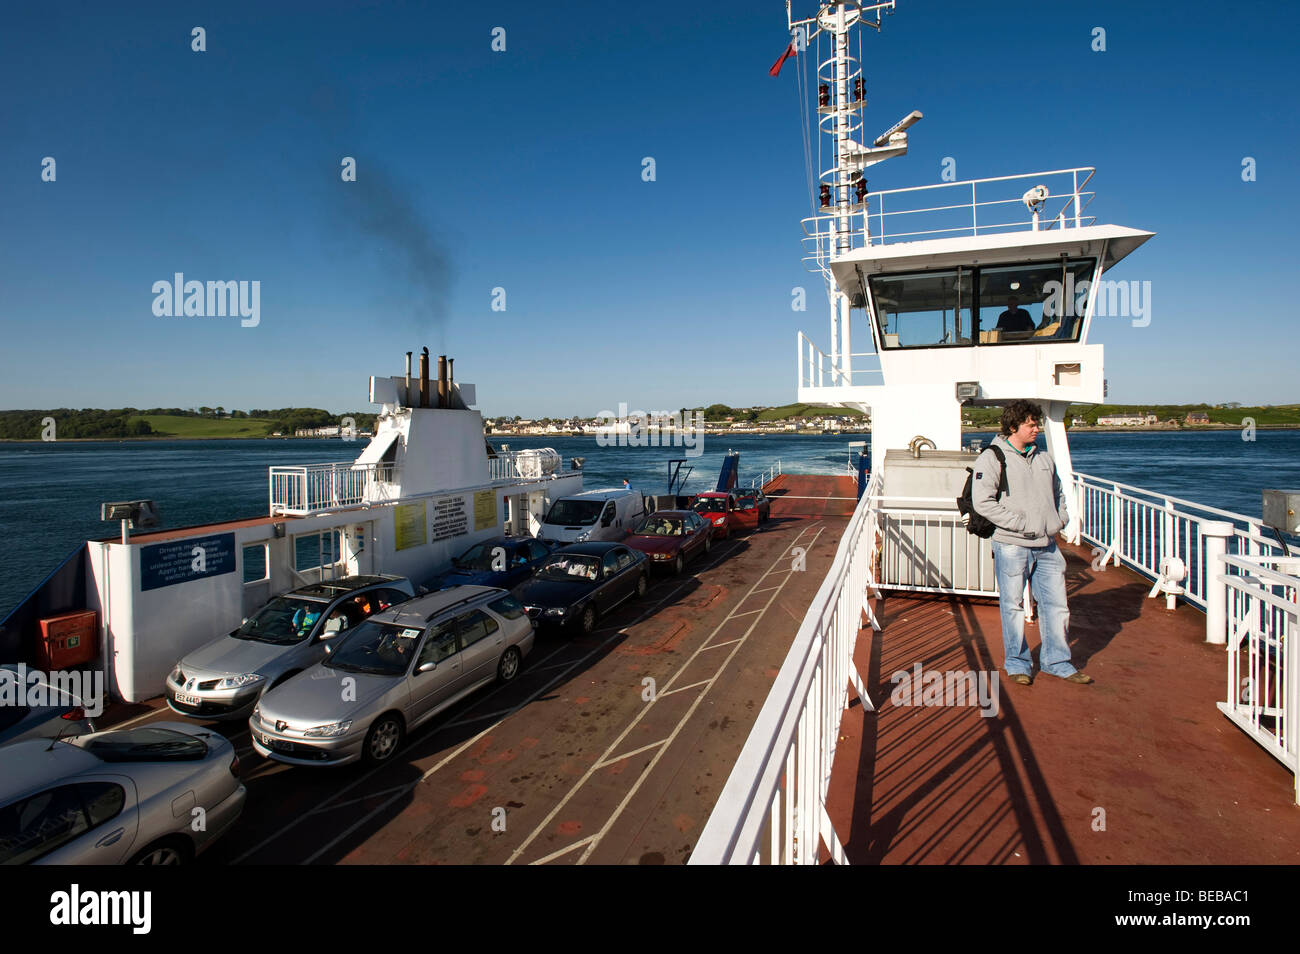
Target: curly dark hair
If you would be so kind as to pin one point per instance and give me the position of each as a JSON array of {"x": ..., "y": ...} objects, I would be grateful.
[{"x": 1017, "y": 412}]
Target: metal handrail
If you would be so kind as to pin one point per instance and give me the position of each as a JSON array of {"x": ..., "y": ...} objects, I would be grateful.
[
  {"x": 1062, "y": 207},
  {"x": 314, "y": 488},
  {"x": 779, "y": 783}
]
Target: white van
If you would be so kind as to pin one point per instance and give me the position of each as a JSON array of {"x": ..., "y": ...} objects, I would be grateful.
[{"x": 592, "y": 515}]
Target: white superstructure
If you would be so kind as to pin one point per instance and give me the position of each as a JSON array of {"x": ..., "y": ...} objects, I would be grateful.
[{"x": 920, "y": 279}]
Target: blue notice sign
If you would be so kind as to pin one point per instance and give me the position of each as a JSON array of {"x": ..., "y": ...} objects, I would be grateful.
[{"x": 166, "y": 564}]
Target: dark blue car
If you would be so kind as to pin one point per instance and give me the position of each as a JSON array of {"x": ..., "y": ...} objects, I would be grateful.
[{"x": 500, "y": 561}]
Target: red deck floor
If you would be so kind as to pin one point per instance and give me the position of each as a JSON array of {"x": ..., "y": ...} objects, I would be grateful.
[{"x": 1138, "y": 768}]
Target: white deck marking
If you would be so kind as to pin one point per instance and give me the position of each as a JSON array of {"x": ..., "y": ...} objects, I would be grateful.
[
  {"x": 595, "y": 840},
  {"x": 628, "y": 755},
  {"x": 681, "y": 688},
  {"x": 727, "y": 643},
  {"x": 564, "y": 851}
]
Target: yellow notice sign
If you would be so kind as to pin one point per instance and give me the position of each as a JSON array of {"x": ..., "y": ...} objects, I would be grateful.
[
  {"x": 409, "y": 526},
  {"x": 485, "y": 509}
]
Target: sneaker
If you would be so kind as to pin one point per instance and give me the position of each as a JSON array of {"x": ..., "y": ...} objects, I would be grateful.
[
  {"x": 1022, "y": 679},
  {"x": 1081, "y": 678}
]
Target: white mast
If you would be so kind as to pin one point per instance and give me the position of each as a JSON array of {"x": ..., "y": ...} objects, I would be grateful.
[{"x": 842, "y": 192}]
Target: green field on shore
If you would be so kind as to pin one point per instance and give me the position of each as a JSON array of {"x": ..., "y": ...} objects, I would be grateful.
[{"x": 170, "y": 425}]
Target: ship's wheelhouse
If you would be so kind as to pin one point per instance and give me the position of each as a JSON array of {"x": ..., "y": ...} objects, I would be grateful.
[{"x": 1038, "y": 302}]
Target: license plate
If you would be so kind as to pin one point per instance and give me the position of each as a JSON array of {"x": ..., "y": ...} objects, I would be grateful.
[
  {"x": 273, "y": 743},
  {"x": 184, "y": 700}
]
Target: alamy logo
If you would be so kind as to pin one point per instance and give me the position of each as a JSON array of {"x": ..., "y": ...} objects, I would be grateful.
[
  {"x": 654, "y": 429},
  {"x": 179, "y": 298},
  {"x": 34, "y": 689},
  {"x": 74, "y": 906},
  {"x": 932, "y": 688},
  {"x": 1114, "y": 299}
]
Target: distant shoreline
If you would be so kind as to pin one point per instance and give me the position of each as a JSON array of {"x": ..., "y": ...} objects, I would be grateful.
[{"x": 1114, "y": 429}]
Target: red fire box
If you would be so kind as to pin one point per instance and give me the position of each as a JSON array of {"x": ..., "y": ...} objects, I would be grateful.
[{"x": 68, "y": 640}]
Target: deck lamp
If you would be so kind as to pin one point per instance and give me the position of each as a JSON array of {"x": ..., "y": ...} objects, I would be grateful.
[
  {"x": 823, "y": 95},
  {"x": 134, "y": 514},
  {"x": 825, "y": 193}
]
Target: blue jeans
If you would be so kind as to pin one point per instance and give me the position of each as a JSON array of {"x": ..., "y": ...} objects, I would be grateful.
[{"x": 1045, "y": 569}]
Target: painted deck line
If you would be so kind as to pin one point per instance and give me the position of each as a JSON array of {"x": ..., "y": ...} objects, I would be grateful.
[
  {"x": 628, "y": 755},
  {"x": 546, "y": 822}
]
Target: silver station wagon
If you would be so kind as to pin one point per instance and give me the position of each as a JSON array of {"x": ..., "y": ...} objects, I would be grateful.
[
  {"x": 223, "y": 679},
  {"x": 392, "y": 673}
]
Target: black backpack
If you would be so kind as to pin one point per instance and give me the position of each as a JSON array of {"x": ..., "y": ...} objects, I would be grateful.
[{"x": 977, "y": 524}]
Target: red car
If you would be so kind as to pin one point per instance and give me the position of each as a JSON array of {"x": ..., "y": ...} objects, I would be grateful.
[
  {"x": 759, "y": 499},
  {"x": 671, "y": 537},
  {"x": 722, "y": 511}
]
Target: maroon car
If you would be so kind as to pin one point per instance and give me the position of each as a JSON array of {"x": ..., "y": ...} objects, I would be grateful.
[{"x": 669, "y": 538}]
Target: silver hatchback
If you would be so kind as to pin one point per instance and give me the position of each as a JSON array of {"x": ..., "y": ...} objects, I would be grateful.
[
  {"x": 391, "y": 674},
  {"x": 223, "y": 679},
  {"x": 155, "y": 794}
]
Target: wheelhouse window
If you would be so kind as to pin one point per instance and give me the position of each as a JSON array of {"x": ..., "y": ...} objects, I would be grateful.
[
  {"x": 1031, "y": 303},
  {"x": 924, "y": 309}
]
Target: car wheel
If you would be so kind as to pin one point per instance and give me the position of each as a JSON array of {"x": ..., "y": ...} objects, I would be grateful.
[
  {"x": 678, "y": 564},
  {"x": 383, "y": 739},
  {"x": 508, "y": 668},
  {"x": 642, "y": 585},
  {"x": 588, "y": 619},
  {"x": 708, "y": 543},
  {"x": 163, "y": 853}
]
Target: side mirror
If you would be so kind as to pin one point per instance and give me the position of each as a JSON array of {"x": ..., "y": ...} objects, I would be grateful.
[
  {"x": 426, "y": 667},
  {"x": 328, "y": 649}
]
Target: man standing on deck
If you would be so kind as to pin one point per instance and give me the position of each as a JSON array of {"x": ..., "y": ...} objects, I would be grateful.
[{"x": 1028, "y": 515}]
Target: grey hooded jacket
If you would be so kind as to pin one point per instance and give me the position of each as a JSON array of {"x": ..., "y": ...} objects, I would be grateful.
[{"x": 1032, "y": 510}]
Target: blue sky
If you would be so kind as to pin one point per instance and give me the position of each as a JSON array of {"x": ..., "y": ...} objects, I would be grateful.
[{"x": 522, "y": 170}]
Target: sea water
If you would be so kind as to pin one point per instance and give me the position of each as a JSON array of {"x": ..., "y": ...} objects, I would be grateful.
[{"x": 50, "y": 492}]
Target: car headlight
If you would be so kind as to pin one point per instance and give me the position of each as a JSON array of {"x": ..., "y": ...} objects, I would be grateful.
[
  {"x": 257, "y": 713},
  {"x": 176, "y": 674},
  {"x": 662, "y": 556},
  {"x": 556, "y": 611},
  {"x": 331, "y": 731},
  {"x": 718, "y": 520},
  {"x": 582, "y": 537},
  {"x": 240, "y": 681}
]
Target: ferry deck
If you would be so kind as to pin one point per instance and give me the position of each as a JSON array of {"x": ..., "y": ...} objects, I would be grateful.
[{"x": 575, "y": 760}]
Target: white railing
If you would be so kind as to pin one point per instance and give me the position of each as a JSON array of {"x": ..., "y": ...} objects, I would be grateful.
[
  {"x": 1263, "y": 619},
  {"x": 816, "y": 369},
  {"x": 952, "y": 209},
  {"x": 926, "y": 548},
  {"x": 767, "y": 476},
  {"x": 773, "y": 806},
  {"x": 1129, "y": 525},
  {"x": 313, "y": 488},
  {"x": 505, "y": 467}
]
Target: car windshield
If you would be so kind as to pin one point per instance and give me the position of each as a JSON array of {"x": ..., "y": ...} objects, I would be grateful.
[
  {"x": 574, "y": 513},
  {"x": 383, "y": 649},
  {"x": 570, "y": 567},
  {"x": 659, "y": 527},
  {"x": 710, "y": 505},
  {"x": 144, "y": 744},
  {"x": 479, "y": 557},
  {"x": 284, "y": 620}
]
